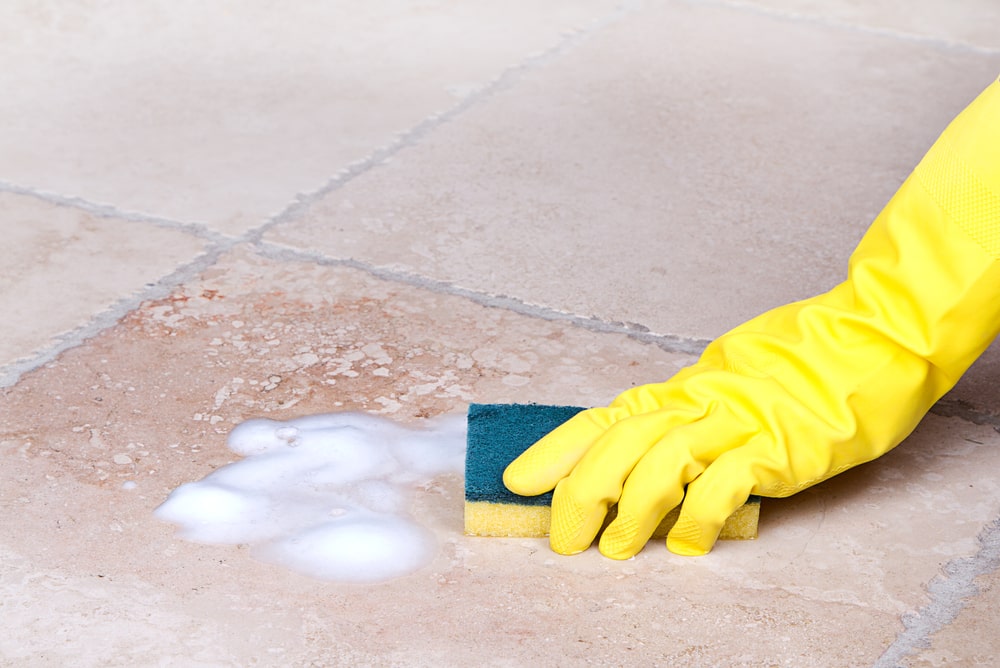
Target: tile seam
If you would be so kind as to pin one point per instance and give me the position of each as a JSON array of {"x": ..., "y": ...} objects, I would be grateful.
[
  {"x": 11, "y": 373},
  {"x": 667, "y": 342},
  {"x": 847, "y": 26},
  {"x": 220, "y": 243},
  {"x": 949, "y": 594},
  {"x": 303, "y": 200},
  {"x": 956, "y": 408},
  {"x": 108, "y": 211}
]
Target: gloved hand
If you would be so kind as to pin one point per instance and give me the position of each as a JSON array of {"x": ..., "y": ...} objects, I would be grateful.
[{"x": 807, "y": 390}]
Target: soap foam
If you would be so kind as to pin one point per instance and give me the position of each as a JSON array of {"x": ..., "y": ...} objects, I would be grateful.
[{"x": 323, "y": 495}]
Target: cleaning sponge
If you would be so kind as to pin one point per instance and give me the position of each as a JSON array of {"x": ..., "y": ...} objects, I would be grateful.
[{"x": 498, "y": 433}]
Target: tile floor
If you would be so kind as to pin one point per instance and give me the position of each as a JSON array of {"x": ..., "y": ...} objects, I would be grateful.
[{"x": 212, "y": 211}]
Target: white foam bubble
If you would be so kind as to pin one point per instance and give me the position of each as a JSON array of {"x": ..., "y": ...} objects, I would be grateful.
[
  {"x": 363, "y": 548},
  {"x": 324, "y": 495}
]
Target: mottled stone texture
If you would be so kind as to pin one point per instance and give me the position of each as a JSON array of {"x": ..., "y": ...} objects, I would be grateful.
[{"x": 217, "y": 212}]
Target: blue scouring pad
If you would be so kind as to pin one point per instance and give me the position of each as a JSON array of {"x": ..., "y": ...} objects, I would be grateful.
[{"x": 498, "y": 433}]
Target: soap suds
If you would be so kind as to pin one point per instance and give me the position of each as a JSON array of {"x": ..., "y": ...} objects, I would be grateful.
[{"x": 324, "y": 495}]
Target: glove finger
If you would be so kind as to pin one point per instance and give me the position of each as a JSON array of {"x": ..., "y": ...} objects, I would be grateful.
[
  {"x": 540, "y": 467},
  {"x": 656, "y": 484},
  {"x": 713, "y": 496},
  {"x": 581, "y": 499}
]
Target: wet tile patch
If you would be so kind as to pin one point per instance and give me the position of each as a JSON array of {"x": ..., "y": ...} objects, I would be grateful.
[{"x": 258, "y": 338}]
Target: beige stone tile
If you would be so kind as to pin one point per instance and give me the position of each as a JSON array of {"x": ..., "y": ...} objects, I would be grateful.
[
  {"x": 63, "y": 266},
  {"x": 684, "y": 169},
  {"x": 825, "y": 584},
  {"x": 965, "y": 22},
  {"x": 56, "y": 617},
  {"x": 971, "y": 639},
  {"x": 222, "y": 112},
  {"x": 977, "y": 395}
]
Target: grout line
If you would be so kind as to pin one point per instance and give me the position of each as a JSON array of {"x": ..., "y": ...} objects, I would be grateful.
[
  {"x": 304, "y": 200},
  {"x": 667, "y": 342},
  {"x": 110, "y": 212},
  {"x": 964, "y": 411},
  {"x": 11, "y": 373},
  {"x": 220, "y": 243},
  {"x": 949, "y": 594},
  {"x": 798, "y": 17}
]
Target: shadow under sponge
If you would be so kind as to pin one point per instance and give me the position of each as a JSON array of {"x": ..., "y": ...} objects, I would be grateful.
[{"x": 497, "y": 434}]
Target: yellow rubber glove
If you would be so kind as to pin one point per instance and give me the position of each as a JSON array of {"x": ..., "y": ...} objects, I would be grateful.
[{"x": 807, "y": 390}]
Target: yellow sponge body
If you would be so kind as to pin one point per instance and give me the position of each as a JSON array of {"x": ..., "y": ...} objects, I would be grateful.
[{"x": 484, "y": 518}]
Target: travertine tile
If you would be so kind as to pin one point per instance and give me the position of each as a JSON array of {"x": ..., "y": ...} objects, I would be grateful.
[
  {"x": 257, "y": 337},
  {"x": 825, "y": 584},
  {"x": 971, "y": 639},
  {"x": 977, "y": 394},
  {"x": 962, "y": 22},
  {"x": 685, "y": 169},
  {"x": 222, "y": 112},
  {"x": 682, "y": 168},
  {"x": 63, "y": 266}
]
